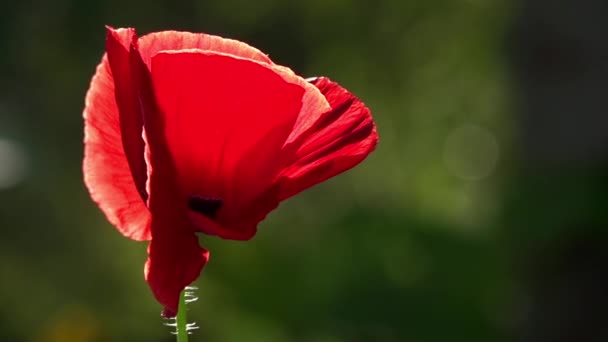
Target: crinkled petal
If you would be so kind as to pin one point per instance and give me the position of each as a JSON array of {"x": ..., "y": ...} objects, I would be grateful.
[
  {"x": 337, "y": 141},
  {"x": 107, "y": 172}
]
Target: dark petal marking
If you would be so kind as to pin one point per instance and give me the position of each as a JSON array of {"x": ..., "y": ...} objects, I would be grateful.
[{"x": 207, "y": 206}]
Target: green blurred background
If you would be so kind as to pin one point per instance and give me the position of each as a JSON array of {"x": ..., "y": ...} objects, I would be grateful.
[{"x": 479, "y": 218}]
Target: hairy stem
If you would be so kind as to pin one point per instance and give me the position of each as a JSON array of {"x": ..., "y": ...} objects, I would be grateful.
[{"x": 181, "y": 320}]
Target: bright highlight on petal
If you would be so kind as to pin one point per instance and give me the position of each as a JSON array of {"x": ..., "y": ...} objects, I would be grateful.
[
  {"x": 153, "y": 43},
  {"x": 192, "y": 133}
]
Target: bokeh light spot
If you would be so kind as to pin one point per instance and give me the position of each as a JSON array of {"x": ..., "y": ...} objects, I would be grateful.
[{"x": 13, "y": 165}]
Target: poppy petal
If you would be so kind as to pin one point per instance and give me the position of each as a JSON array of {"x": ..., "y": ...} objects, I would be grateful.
[
  {"x": 174, "y": 262},
  {"x": 107, "y": 173},
  {"x": 175, "y": 258},
  {"x": 229, "y": 118},
  {"x": 337, "y": 141},
  {"x": 151, "y": 44},
  {"x": 131, "y": 119},
  {"x": 314, "y": 104}
]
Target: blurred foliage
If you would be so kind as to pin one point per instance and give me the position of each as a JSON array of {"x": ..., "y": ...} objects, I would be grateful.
[{"x": 403, "y": 248}]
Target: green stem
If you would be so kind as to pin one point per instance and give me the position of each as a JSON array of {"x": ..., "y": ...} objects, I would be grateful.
[{"x": 181, "y": 320}]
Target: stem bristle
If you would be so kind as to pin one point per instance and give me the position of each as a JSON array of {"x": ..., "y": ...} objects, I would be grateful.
[{"x": 179, "y": 322}]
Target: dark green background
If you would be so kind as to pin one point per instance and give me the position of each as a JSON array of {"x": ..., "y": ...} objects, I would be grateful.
[{"x": 427, "y": 240}]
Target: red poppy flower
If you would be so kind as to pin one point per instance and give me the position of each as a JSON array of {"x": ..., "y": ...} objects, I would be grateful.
[{"x": 193, "y": 133}]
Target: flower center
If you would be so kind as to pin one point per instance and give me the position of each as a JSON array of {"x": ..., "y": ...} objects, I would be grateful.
[{"x": 207, "y": 206}]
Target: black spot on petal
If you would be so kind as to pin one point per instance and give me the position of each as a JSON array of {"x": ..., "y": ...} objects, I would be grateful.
[{"x": 207, "y": 206}]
